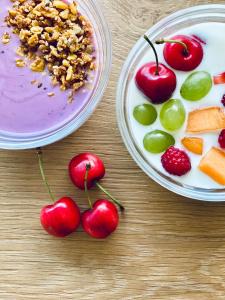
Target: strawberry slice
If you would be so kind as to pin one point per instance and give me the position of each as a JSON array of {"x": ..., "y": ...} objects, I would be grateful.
[{"x": 219, "y": 79}]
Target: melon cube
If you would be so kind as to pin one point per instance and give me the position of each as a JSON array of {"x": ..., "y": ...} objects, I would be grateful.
[
  {"x": 206, "y": 119},
  {"x": 213, "y": 165},
  {"x": 193, "y": 144}
]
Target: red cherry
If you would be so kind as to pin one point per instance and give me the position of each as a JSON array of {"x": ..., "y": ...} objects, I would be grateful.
[
  {"x": 86, "y": 170},
  {"x": 78, "y": 167},
  {"x": 62, "y": 218},
  {"x": 157, "y": 87},
  {"x": 155, "y": 80},
  {"x": 182, "y": 52},
  {"x": 100, "y": 220}
]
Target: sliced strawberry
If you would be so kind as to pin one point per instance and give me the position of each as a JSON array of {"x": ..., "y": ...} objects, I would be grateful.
[{"x": 219, "y": 79}]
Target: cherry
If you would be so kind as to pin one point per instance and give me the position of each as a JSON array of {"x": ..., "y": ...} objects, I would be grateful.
[
  {"x": 78, "y": 167},
  {"x": 182, "y": 52},
  {"x": 155, "y": 80},
  {"x": 100, "y": 220},
  {"x": 61, "y": 218}
]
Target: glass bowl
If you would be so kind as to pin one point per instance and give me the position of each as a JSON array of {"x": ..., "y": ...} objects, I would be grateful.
[
  {"x": 167, "y": 26},
  {"x": 92, "y": 11}
]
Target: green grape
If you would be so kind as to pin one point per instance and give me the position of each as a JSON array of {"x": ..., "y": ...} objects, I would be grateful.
[
  {"x": 145, "y": 114},
  {"x": 158, "y": 141},
  {"x": 172, "y": 114},
  {"x": 196, "y": 86}
]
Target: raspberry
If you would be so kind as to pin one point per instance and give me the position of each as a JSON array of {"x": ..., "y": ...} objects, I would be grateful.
[
  {"x": 176, "y": 161},
  {"x": 223, "y": 100},
  {"x": 221, "y": 139}
]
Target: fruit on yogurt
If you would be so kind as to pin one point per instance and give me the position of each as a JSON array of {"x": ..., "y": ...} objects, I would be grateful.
[
  {"x": 155, "y": 80},
  {"x": 213, "y": 165},
  {"x": 219, "y": 79},
  {"x": 197, "y": 85},
  {"x": 206, "y": 119},
  {"x": 193, "y": 144},
  {"x": 182, "y": 52},
  {"x": 158, "y": 141},
  {"x": 223, "y": 100},
  {"x": 145, "y": 114},
  {"x": 221, "y": 139},
  {"x": 172, "y": 114},
  {"x": 176, "y": 162}
]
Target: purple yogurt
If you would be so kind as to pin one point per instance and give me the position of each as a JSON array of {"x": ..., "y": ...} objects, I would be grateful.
[{"x": 26, "y": 109}]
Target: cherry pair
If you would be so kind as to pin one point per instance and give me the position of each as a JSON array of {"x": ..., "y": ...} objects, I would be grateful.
[
  {"x": 64, "y": 217},
  {"x": 157, "y": 81}
]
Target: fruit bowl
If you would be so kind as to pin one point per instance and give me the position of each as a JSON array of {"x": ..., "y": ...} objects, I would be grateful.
[
  {"x": 166, "y": 27},
  {"x": 68, "y": 117}
]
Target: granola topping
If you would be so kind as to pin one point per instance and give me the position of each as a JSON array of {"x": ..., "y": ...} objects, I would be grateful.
[{"x": 53, "y": 35}]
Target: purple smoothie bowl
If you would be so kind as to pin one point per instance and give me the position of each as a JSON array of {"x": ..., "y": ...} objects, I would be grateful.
[{"x": 29, "y": 118}]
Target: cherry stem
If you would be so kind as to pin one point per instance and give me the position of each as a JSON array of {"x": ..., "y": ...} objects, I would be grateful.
[
  {"x": 41, "y": 166},
  {"x": 122, "y": 208},
  {"x": 156, "y": 55},
  {"x": 88, "y": 167},
  {"x": 162, "y": 41}
]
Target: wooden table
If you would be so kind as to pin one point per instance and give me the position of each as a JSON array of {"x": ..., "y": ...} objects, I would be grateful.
[{"x": 166, "y": 247}]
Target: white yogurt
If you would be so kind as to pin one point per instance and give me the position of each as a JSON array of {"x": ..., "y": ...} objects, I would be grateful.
[{"x": 214, "y": 63}]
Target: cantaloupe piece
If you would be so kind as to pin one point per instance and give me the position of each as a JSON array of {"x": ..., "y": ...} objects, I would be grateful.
[
  {"x": 193, "y": 144},
  {"x": 213, "y": 165},
  {"x": 207, "y": 119}
]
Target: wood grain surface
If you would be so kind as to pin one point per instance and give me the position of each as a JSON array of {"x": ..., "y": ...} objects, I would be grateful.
[{"x": 166, "y": 247}]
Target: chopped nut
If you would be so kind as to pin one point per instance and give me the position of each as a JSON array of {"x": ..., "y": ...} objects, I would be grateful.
[
  {"x": 36, "y": 29},
  {"x": 38, "y": 65},
  {"x": 73, "y": 8},
  {"x": 60, "y": 4},
  {"x": 19, "y": 51},
  {"x": 51, "y": 94},
  {"x": 20, "y": 63},
  {"x": 70, "y": 97},
  {"x": 5, "y": 38},
  {"x": 69, "y": 73},
  {"x": 65, "y": 63},
  {"x": 33, "y": 40},
  {"x": 12, "y": 13},
  {"x": 64, "y": 14}
]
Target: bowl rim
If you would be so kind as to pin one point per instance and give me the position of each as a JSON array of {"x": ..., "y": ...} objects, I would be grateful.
[
  {"x": 84, "y": 115},
  {"x": 189, "y": 192}
]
